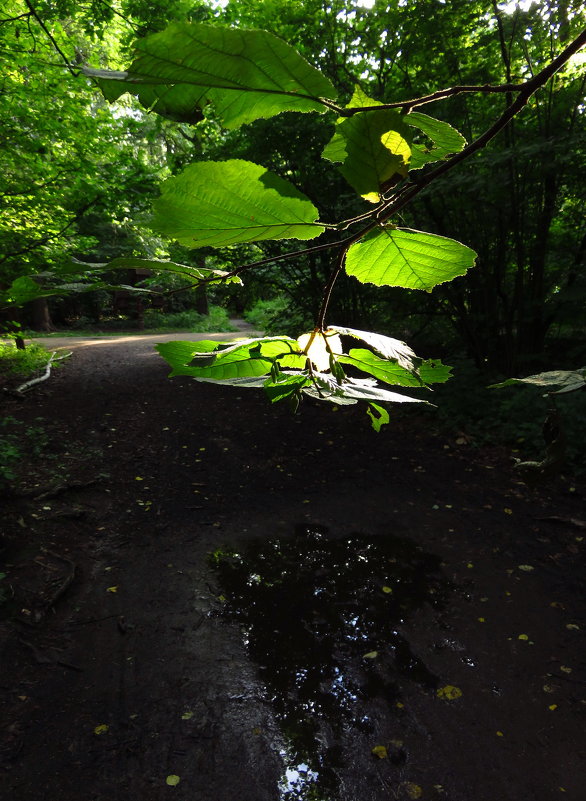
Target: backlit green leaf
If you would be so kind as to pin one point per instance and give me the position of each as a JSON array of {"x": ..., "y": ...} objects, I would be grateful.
[
  {"x": 219, "y": 361},
  {"x": 445, "y": 139},
  {"x": 406, "y": 258},
  {"x": 353, "y": 390},
  {"x": 378, "y": 418},
  {"x": 386, "y": 347},
  {"x": 159, "y": 265},
  {"x": 563, "y": 380},
  {"x": 386, "y": 370},
  {"x": 433, "y": 371},
  {"x": 368, "y": 165},
  {"x": 247, "y": 74},
  {"x": 221, "y": 203}
]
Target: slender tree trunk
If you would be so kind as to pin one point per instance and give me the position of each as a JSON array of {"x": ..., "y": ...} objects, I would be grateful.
[
  {"x": 40, "y": 315},
  {"x": 202, "y": 305}
]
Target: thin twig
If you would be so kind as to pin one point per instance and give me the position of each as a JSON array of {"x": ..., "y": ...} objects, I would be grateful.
[{"x": 441, "y": 94}]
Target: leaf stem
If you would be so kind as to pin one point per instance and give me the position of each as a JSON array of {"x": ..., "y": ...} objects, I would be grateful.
[{"x": 321, "y": 316}]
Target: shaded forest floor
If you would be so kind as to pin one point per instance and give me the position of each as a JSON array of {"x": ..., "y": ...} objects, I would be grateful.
[{"x": 208, "y": 599}]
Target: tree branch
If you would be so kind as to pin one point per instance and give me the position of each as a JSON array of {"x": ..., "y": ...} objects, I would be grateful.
[
  {"x": 13, "y": 19},
  {"x": 441, "y": 94},
  {"x": 409, "y": 191},
  {"x": 74, "y": 72}
]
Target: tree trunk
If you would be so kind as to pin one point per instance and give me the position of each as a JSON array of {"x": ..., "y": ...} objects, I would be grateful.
[
  {"x": 201, "y": 300},
  {"x": 40, "y": 315}
]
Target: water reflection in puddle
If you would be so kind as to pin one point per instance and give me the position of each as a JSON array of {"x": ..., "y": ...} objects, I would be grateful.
[{"x": 322, "y": 616}]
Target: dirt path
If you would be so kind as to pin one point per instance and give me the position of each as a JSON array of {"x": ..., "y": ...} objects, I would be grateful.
[
  {"x": 142, "y": 344},
  {"x": 356, "y": 577}
]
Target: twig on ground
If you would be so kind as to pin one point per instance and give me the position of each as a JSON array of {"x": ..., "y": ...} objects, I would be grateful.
[{"x": 28, "y": 384}]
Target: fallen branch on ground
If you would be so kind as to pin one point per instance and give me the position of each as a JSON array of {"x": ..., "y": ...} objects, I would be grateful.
[{"x": 28, "y": 384}]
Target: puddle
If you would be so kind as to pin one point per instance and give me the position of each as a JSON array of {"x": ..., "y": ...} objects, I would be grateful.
[{"x": 322, "y": 617}]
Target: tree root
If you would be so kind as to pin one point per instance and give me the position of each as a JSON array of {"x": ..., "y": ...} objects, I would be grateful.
[{"x": 62, "y": 588}]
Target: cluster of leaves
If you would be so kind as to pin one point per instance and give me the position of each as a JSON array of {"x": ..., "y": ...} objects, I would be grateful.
[
  {"x": 247, "y": 75},
  {"x": 73, "y": 169},
  {"x": 313, "y": 365}
]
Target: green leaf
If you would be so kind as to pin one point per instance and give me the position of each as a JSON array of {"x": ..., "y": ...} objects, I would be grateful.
[
  {"x": 386, "y": 370},
  {"x": 564, "y": 380},
  {"x": 353, "y": 390},
  {"x": 221, "y": 361},
  {"x": 224, "y": 202},
  {"x": 246, "y": 74},
  {"x": 24, "y": 289},
  {"x": 379, "y": 417},
  {"x": 179, "y": 353},
  {"x": 446, "y": 139},
  {"x": 287, "y": 385},
  {"x": 433, "y": 371},
  {"x": 406, "y": 258},
  {"x": 368, "y": 165},
  {"x": 21, "y": 290},
  {"x": 160, "y": 266},
  {"x": 386, "y": 347}
]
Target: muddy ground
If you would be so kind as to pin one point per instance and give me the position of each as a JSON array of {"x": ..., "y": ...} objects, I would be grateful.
[{"x": 208, "y": 599}]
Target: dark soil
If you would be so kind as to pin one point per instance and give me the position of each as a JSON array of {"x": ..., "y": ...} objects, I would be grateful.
[{"x": 199, "y": 585}]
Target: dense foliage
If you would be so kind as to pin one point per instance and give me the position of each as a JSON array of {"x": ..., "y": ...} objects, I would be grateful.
[{"x": 227, "y": 127}]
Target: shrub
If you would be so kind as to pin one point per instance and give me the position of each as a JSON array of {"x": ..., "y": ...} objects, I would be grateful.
[
  {"x": 278, "y": 314},
  {"x": 14, "y": 361},
  {"x": 216, "y": 320}
]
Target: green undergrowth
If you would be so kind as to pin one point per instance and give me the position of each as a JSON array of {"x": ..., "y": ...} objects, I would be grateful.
[
  {"x": 216, "y": 321},
  {"x": 16, "y": 362},
  {"x": 277, "y": 314},
  {"x": 155, "y": 322}
]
